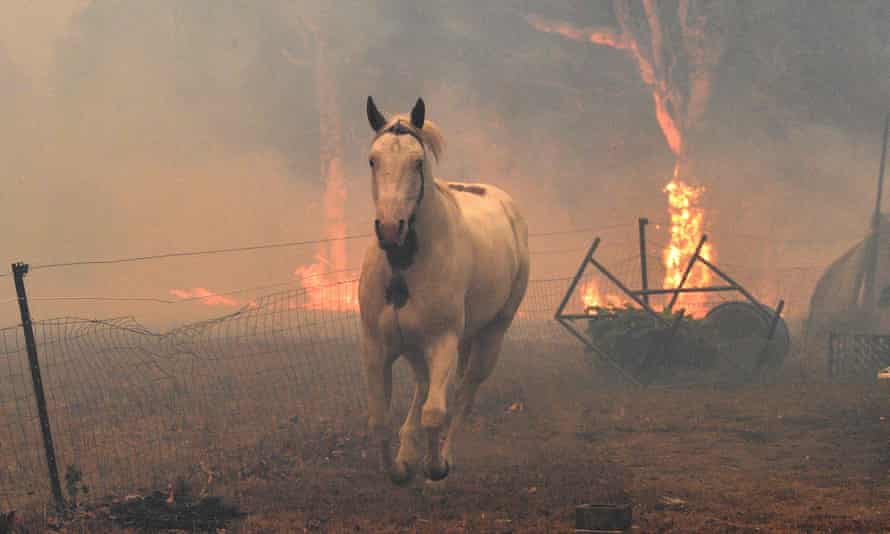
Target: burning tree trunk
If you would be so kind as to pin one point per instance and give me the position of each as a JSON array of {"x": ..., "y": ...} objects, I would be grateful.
[
  {"x": 332, "y": 254},
  {"x": 675, "y": 57},
  {"x": 331, "y": 154},
  {"x": 676, "y": 51}
]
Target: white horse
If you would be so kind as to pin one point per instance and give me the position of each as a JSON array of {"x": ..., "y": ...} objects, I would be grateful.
[{"x": 440, "y": 286}]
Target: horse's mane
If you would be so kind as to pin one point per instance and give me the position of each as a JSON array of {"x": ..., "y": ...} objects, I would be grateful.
[{"x": 430, "y": 134}]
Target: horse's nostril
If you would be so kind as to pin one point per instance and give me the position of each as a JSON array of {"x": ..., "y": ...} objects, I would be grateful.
[
  {"x": 377, "y": 229},
  {"x": 388, "y": 232},
  {"x": 401, "y": 225}
]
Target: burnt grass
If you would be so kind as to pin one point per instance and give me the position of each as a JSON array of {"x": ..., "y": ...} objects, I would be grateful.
[{"x": 785, "y": 457}]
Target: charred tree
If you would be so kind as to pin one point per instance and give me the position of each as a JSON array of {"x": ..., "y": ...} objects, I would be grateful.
[
  {"x": 676, "y": 47},
  {"x": 331, "y": 154},
  {"x": 332, "y": 254}
]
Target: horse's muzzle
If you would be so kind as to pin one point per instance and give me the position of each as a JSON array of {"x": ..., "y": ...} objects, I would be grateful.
[{"x": 390, "y": 234}]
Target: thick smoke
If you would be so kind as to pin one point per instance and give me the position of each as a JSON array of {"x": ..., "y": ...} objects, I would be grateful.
[{"x": 134, "y": 128}]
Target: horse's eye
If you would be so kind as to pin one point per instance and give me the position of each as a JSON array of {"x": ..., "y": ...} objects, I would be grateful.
[
  {"x": 419, "y": 165},
  {"x": 371, "y": 163}
]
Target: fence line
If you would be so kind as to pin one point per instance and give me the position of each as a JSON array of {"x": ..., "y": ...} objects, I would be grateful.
[
  {"x": 132, "y": 409},
  {"x": 269, "y": 246}
]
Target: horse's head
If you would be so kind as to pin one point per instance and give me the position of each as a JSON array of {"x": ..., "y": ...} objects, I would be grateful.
[{"x": 399, "y": 171}]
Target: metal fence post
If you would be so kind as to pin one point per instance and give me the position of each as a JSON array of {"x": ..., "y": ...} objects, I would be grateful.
[
  {"x": 644, "y": 270},
  {"x": 19, "y": 270}
]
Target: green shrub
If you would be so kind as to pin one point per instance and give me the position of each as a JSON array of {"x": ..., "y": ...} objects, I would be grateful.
[{"x": 640, "y": 343}]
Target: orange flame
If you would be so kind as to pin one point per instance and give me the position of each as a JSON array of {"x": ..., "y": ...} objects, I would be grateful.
[
  {"x": 325, "y": 290},
  {"x": 687, "y": 222},
  {"x": 592, "y": 298},
  {"x": 205, "y": 296}
]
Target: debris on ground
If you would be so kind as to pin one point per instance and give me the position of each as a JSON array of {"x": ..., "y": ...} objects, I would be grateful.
[
  {"x": 7, "y": 522},
  {"x": 161, "y": 510},
  {"x": 667, "y": 502}
]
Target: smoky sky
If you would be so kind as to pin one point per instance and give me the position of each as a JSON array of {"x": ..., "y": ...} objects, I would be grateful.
[{"x": 134, "y": 128}]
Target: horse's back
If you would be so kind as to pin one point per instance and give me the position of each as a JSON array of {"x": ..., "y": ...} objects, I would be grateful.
[
  {"x": 498, "y": 236},
  {"x": 489, "y": 207}
]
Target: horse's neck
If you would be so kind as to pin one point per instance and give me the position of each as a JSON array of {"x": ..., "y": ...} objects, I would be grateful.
[{"x": 435, "y": 218}]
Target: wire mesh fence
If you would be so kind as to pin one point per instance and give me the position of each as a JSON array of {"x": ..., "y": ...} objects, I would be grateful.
[
  {"x": 133, "y": 410},
  {"x": 857, "y": 357}
]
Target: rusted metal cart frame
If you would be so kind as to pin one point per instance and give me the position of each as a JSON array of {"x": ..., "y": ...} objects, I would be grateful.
[{"x": 641, "y": 298}]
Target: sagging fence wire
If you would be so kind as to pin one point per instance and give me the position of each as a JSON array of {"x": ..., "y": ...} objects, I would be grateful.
[
  {"x": 247, "y": 248},
  {"x": 159, "y": 300},
  {"x": 180, "y": 254},
  {"x": 270, "y": 246}
]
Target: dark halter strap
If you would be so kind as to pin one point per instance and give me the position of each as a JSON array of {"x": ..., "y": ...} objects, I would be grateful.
[
  {"x": 400, "y": 128},
  {"x": 396, "y": 292}
]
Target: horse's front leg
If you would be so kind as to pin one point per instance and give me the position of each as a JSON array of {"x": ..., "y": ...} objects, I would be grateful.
[
  {"x": 411, "y": 444},
  {"x": 378, "y": 375},
  {"x": 442, "y": 362}
]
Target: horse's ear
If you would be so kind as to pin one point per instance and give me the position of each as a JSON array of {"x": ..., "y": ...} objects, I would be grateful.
[
  {"x": 375, "y": 118},
  {"x": 418, "y": 114}
]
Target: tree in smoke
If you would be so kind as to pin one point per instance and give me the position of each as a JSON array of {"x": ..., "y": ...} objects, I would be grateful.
[
  {"x": 676, "y": 47},
  {"x": 308, "y": 18},
  {"x": 676, "y": 50}
]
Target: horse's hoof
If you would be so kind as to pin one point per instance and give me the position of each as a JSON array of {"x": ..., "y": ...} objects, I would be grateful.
[
  {"x": 402, "y": 477},
  {"x": 435, "y": 490},
  {"x": 437, "y": 474}
]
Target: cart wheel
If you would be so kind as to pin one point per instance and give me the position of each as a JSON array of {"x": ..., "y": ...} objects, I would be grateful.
[{"x": 746, "y": 326}]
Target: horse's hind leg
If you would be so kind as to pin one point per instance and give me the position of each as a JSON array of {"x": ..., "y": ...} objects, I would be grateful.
[
  {"x": 484, "y": 354},
  {"x": 483, "y": 357}
]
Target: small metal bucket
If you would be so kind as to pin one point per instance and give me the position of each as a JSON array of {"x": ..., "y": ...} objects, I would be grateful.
[{"x": 603, "y": 518}]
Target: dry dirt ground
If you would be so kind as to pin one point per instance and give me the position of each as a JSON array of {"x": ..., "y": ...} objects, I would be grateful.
[{"x": 779, "y": 458}]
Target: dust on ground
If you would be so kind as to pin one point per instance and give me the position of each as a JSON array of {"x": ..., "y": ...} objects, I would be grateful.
[{"x": 781, "y": 457}]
